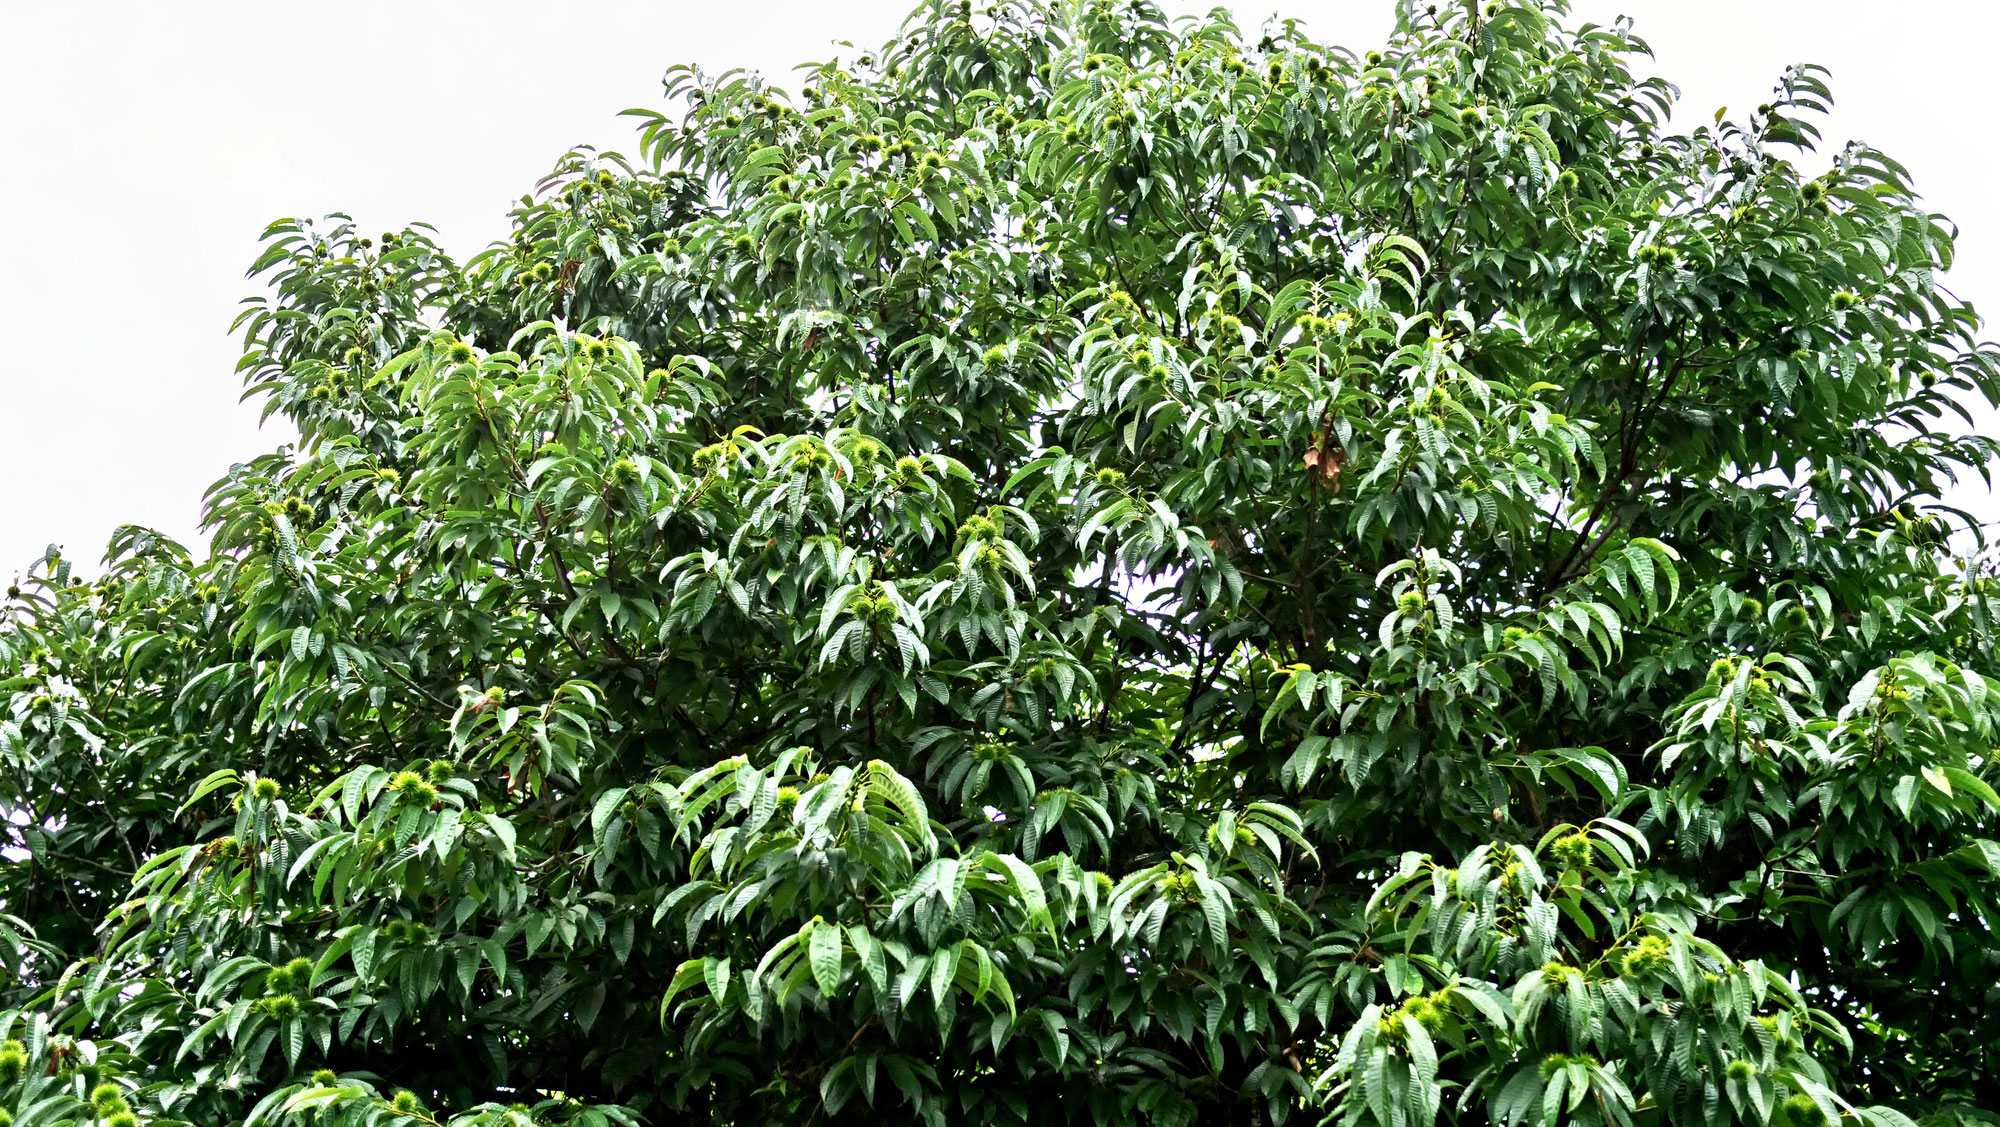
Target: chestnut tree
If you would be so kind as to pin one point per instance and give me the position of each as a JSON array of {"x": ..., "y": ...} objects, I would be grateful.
[{"x": 1078, "y": 568}]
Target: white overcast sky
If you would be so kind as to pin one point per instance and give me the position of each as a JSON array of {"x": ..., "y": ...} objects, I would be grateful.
[{"x": 145, "y": 145}]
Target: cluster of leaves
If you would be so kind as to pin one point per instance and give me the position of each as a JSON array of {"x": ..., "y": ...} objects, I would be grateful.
[{"x": 1083, "y": 569}]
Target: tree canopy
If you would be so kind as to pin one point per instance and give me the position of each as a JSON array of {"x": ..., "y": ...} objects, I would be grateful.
[{"x": 1076, "y": 568}]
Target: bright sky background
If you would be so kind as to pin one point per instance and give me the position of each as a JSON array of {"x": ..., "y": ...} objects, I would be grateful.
[{"x": 146, "y": 145}]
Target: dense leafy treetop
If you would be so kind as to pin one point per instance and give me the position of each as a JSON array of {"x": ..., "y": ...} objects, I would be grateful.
[{"x": 1082, "y": 569}]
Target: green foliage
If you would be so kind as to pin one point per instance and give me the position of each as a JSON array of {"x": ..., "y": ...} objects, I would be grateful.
[{"x": 1082, "y": 570}]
